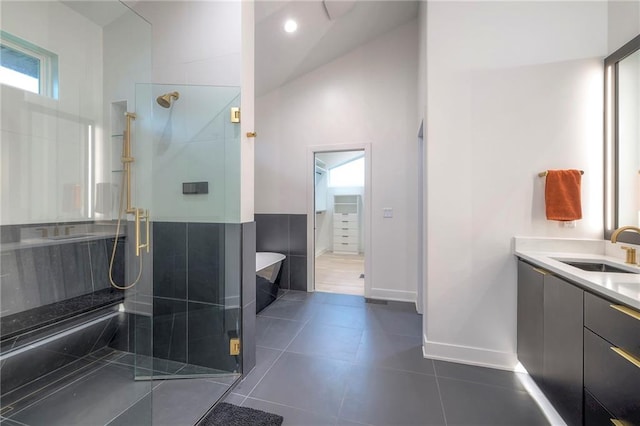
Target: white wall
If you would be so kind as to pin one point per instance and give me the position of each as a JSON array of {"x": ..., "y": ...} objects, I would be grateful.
[
  {"x": 44, "y": 142},
  {"x": 422, "y": 62},
  {"x": 247, "y": 145},
  {"x": 207, "y": 43},
  {"x": 127, "y": 62},
  {"x": 623, "y": 23},
  {"x": 366, "y": 96},
  {"x": 195, "y": 42},
  {"x": 513, "y": 88}
]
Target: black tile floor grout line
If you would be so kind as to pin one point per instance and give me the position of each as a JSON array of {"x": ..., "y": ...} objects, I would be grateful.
[
  {"x": 88, "y": 366},
  {"x": 346, "y": 385},
  {"x": 399, "y": 351},
  {"x": 100, "y": 367},
  {"x": 278, "y": 318},
  {"x": 444, "y": 414},
  {"x": 288, "y": 406},
  {"x": 352, "y": 362},
  {"x": 131, "y": 406},
  {"x": 49, "y": 383},
  {"x": 276, "y": 360},
  {"x": 15, "y": 421}
]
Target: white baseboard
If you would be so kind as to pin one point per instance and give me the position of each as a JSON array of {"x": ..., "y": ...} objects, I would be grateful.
[
  {"x": 469, "y": 355},
  {"x": 397, "y": 295}
]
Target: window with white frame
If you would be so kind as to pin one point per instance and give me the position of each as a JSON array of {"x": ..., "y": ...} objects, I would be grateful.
[
  {"x": 348, "y": 174},
  {"x": 27, "y": 66}
]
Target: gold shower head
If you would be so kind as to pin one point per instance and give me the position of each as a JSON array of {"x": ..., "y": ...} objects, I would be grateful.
[{"x": 165, "y": 100}]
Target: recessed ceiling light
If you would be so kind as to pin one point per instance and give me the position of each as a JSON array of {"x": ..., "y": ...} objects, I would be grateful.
[{"x": 290, "y": 26}]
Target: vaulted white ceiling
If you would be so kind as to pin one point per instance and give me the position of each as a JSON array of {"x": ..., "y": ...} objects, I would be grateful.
[
  {"x": 326, "y": 30},
  {"x": 281, "y": 57}
]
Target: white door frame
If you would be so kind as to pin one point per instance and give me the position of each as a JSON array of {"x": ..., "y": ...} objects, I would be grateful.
[{"x": 311, "y": 213}]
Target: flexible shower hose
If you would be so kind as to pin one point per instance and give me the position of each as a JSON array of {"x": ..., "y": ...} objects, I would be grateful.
[{"x": 115, "y": 245}]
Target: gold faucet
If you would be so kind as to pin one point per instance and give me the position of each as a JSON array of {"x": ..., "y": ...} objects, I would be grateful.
[
  {"x": 614, "y": 236},
  {"x": 631, "y": 252}
]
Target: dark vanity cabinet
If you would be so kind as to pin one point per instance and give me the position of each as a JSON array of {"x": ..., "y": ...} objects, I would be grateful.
[
  {"x": 612, "y": 358},
  {"x": 550, "y": 346},
  {"x": 530, "y": 321},
  {"x": 583, "y": 350},
  {"x": 563, "y": 348}
]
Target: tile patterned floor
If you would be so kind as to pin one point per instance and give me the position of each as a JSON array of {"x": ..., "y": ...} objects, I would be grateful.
[
  {"x": 101, "y": 390},
  {"x": 330, "y": 359}
]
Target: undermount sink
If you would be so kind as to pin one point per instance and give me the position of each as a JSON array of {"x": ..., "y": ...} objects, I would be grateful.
[{"x": 597, "y": 266}]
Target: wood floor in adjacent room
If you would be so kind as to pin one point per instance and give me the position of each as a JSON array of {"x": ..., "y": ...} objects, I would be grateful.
[{"x": 340, "y": 273}]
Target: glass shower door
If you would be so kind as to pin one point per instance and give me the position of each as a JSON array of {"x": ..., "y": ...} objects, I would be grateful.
[{"x": 189, "y": 177}]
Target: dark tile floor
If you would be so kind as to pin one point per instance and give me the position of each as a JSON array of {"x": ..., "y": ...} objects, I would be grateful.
[
  {"x": 328, "y": 359},
  {"x": 101, "y": 390}
]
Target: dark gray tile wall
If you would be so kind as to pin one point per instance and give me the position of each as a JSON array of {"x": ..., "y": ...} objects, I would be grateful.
[
  {"x": 10, "y": 233},
  {"x": 170, "y": 260},
  {"x": 286, "y": 234},
  {"x": 38, "y": 276},
  {"x": 193, "y": 317},
  {"x": 169, "y": 329},
  {"x": 248, "y": 297},
  {"x": 206, "y": 254}
]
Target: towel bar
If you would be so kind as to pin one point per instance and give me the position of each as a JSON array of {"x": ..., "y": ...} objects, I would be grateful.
[{"x": 543, "y": 174}]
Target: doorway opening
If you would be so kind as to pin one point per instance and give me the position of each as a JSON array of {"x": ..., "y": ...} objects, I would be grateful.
[{"x": 339, "y": 237}]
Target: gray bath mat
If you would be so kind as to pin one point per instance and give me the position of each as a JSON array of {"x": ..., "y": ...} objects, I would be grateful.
[{"x": 226, "y": 414}]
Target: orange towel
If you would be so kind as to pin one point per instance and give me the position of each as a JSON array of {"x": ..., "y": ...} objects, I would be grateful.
[{"x": 562, "y": 195}]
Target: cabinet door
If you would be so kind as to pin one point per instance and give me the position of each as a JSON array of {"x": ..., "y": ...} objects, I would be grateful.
[
  {"x": 563, "y": 348},
  {"x": 530, "y": 323},
  {"x": 594, "y": 413},
  {"x": 612, "y": 377}
]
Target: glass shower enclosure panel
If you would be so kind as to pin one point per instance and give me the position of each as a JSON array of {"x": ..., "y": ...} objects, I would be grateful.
[
  {"x": 190, "y": 181},
  {"x": 66, "y": 351}
]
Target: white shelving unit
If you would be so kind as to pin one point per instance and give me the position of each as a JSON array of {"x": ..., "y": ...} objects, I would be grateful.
[{"x": 346, "y": 224}]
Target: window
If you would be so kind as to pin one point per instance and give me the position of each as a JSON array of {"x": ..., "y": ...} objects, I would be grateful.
[
  {"x": 27, "y": 66},
  {"x": 348, "y": 174}
]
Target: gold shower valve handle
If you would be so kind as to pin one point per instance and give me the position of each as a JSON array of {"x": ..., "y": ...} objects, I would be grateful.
[
  {"x": 142, "y": 214},
  {"x": 146, "y": 215}
]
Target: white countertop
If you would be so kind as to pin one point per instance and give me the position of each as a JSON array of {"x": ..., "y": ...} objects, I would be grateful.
[{"x": 621, "y": 287}]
